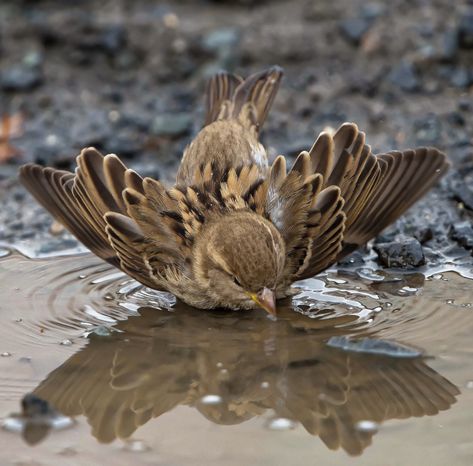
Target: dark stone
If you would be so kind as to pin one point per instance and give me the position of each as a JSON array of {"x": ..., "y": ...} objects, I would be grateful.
[
  {"x": 449, "y": 46},
  {"x": 126, "y": 143},
  {"x": 172, "y": 124},
  {"x": 21, "y": 78},
  {"x": 464, "y": 193},
  {"x": 223, "y": 44},
  {"x": 406, "y": 252},
  {"x": 423, "y": 235},
  {"x": 461, "y": 77},
  {"x": 355, "y": 259},
  {"x": 405, "y": 77},
  {"x": 113, "y": 38},
  {"x": 456, "y": 119},
  {"x": 465, "y": 30},
  {"x": 353, "y": 29},
  {"x": 427, "y": 130},
  {"x": 372, "y": 10},
  {"x": 109, "y": 39},
  {"x": 465, "y": 104},
  {"x": 462, "y": 233},
  {"x": 32, "y": 406}
]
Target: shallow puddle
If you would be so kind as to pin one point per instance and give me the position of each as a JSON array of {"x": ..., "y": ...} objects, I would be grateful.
[{"x": 364, "y": 363}]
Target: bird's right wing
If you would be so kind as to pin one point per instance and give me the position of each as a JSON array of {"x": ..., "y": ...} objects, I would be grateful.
[{"x": 123, "y": 219}]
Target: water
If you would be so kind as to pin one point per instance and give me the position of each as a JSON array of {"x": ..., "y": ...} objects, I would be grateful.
[{"x": 358, "y": 363}]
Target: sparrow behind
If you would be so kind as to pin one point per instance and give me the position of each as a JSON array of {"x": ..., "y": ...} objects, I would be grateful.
[{"x": 234, "y": 232}]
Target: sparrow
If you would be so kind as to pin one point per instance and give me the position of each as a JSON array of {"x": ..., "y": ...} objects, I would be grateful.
[{"x": 235, "y": 232}]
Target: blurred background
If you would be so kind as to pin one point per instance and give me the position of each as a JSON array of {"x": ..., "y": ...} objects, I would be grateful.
[{"x": 128, "y": 77}]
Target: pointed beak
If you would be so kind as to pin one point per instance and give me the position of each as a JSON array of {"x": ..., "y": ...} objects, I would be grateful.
[{"x": 265, "y": 299}]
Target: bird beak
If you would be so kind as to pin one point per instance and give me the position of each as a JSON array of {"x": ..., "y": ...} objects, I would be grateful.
[{"x": 265, "y": 299}]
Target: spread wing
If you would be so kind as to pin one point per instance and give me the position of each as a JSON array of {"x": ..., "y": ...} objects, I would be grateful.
[
  {"x": 377, "y": 189},
  {"x": 101, "y": 204},
  {"x": 339, "y": 195}
]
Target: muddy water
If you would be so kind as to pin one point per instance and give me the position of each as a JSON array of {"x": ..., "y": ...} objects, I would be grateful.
[{"x": 368, "y": 364}]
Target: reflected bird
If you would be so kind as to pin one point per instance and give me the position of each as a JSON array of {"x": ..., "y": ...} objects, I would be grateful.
[{"x": 233, "y": 368}]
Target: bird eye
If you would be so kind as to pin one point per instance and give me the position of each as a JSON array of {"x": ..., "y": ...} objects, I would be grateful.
[{"x": 236, "y": 281}]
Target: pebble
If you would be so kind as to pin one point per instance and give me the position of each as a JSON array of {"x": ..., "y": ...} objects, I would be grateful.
[
  {"x": 172, "y": 124},
  {"x": 354, "y": 29},
  {"x": 463, "y": 233},
  {"x": 20, "y": 78},
  {"x": 403, "y": 253},
  {"x": 427, "y": 129},
  {"x": 405, "y": 77},
  {"x": 465, "y": 30}
]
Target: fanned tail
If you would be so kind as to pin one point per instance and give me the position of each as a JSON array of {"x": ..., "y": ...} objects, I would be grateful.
[{"x": 249, "y": 100}]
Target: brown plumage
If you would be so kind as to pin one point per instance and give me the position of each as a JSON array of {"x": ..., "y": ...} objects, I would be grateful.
[{"x": 234, "y": 232}]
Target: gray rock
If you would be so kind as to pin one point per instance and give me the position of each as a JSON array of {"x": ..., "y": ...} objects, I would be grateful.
[
  {"x": 465, "y": 30},
  {"x": 21, "y": 78},
  {"x": 221, "y": 39},
  {"x": 405, "y": 77},
  {"x": 449, "y": 46},
  {"x": 461, "y": 77},
  {"x": 171, "y": 124},
  {"x": 462, "y": 233},
  {"x": 406, "y": 252},
  {"x": 353, "y": 29},
  {"x": 464, "y": 193},
  {"x": 427, "y": 129}
]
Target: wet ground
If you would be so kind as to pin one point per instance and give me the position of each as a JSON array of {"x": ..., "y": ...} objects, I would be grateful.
[
  {"x": 356, "y": 365},
  {"x": 367, "y": 360}
]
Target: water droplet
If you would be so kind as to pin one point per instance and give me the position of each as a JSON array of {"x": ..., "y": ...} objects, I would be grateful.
[
  {"x": 82, "y": 276},
  {"x": 6, "y": 354},
  {"x": 66, "y": 342},
  {"x": 136, "y": 446},
  {"x": 211, "y": 400},
  {"x": 219, "y": 364},
  {"x": 100, "y": 331},
  {"x": 450, "y": 301},
  {"x": 264, "y": 384},
  {"x": 367, "y": 426},
  {"x": 281, "y": 423},
  {"x": 388, "y": 304},
  {"x": 67, "y": 451},
  {"x": 108, "y": 297}
]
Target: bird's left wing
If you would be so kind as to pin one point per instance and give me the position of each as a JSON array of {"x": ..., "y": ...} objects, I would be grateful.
[{"x": 309, "y": 217}]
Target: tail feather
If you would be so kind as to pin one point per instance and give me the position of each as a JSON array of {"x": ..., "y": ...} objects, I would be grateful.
[{"x": 228, "y": 96}]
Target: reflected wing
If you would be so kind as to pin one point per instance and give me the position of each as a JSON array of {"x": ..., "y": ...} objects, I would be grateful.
[{"x": 332, "y": 397}]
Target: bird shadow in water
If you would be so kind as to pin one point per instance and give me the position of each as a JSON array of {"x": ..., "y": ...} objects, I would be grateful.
[{"x": 158, "y": 360}]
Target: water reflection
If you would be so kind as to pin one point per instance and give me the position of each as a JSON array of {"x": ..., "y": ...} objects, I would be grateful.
[{"x": 234, "y": 367}]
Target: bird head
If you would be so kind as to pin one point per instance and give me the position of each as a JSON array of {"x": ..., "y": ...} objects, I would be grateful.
[{"x": 240, "y": 258}]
